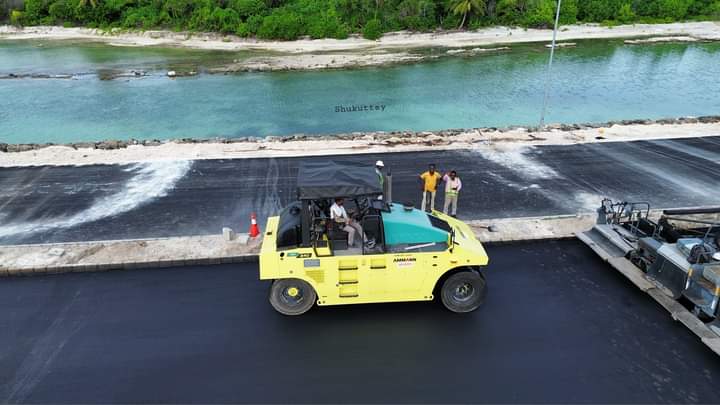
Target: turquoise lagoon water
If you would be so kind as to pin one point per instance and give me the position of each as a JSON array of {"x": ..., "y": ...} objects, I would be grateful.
[{"x": 593, "y": 82}]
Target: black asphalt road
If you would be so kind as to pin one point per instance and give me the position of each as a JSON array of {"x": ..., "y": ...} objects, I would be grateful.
[
  {"x": 58, "y": 204},
  {"x": 558, "y": 326}
]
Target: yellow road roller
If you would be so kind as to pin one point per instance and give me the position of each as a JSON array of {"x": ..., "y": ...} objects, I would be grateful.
[{"x": 398, "y": 253}]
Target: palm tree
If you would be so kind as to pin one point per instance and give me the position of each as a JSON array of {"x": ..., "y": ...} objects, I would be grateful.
[
  {"x": 466, "y": 6},
  {"x": 84, "y": 3}
]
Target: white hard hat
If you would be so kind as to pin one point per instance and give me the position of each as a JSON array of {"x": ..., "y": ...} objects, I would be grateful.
[{"x": 379, "y": 163}]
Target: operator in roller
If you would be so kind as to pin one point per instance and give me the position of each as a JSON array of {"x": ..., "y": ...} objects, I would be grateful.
[{"x": 344, "y": 222}]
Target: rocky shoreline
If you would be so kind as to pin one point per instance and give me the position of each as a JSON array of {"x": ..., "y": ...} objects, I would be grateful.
[
  {"x": 304, "y": 62},
  {"x": 387, "y": 138},
  {"x": 662, "y": 40}
]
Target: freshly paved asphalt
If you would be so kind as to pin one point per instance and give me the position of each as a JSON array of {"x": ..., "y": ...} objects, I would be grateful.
[
  {"x": 547, "y": 180},
  {"x": 558, "y": 326}
]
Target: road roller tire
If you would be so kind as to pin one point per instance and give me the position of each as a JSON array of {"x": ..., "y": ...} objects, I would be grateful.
[
  {"x": 463, "y": 291},
  {"x": 292, "y": 296}
]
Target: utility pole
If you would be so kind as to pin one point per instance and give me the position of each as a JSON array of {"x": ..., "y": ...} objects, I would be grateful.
[{"x": 549, "y": 68}]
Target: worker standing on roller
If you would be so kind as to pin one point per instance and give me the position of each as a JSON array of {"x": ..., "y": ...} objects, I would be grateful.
[
  {"x": 452, "y": 189},
  {"x": 379, "y": 166},
  {"x": 430, "y": 180}
]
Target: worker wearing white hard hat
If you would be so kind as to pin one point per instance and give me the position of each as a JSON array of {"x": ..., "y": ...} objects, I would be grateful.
[{"x": 379, "y": 166}]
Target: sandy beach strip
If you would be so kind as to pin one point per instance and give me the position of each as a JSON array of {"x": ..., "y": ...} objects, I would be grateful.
[
  {"x": 391, "y": 41},
  {"x": 115, "y": 152}
]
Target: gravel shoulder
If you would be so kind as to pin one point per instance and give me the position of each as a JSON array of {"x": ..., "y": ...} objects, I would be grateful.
[{"x": 123, "y": 152}]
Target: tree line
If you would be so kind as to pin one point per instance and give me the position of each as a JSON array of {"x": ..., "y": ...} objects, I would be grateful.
[{"x": 291, "y": 19}]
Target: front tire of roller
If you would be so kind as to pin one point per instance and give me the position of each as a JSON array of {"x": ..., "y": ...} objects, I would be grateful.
[
  {"x": 292, "y": 296},
  {"x": 463, "y": 291}
]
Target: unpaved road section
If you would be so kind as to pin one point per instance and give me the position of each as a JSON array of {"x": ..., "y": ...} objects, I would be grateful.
[{"x": 125, "y": 254}]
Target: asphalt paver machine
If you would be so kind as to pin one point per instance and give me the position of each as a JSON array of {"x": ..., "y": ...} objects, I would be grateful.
[
  {"x": 411, "y": 255},
  {"x": 679, "y": 253}
]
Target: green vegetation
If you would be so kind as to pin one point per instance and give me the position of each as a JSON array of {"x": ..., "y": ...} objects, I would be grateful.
[
  {"x": 373, "y": 29},
  {"x": 291, "y": 19}
]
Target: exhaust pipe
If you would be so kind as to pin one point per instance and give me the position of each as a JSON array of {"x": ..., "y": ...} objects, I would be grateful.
[{"x": 388, "y": 196}]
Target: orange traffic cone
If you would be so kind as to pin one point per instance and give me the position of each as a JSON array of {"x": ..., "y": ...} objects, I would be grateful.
[{"x": 254, "y": 230}]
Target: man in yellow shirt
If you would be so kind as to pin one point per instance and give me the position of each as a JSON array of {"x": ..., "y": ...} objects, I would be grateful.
[{"x": 430, "y": 181}]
